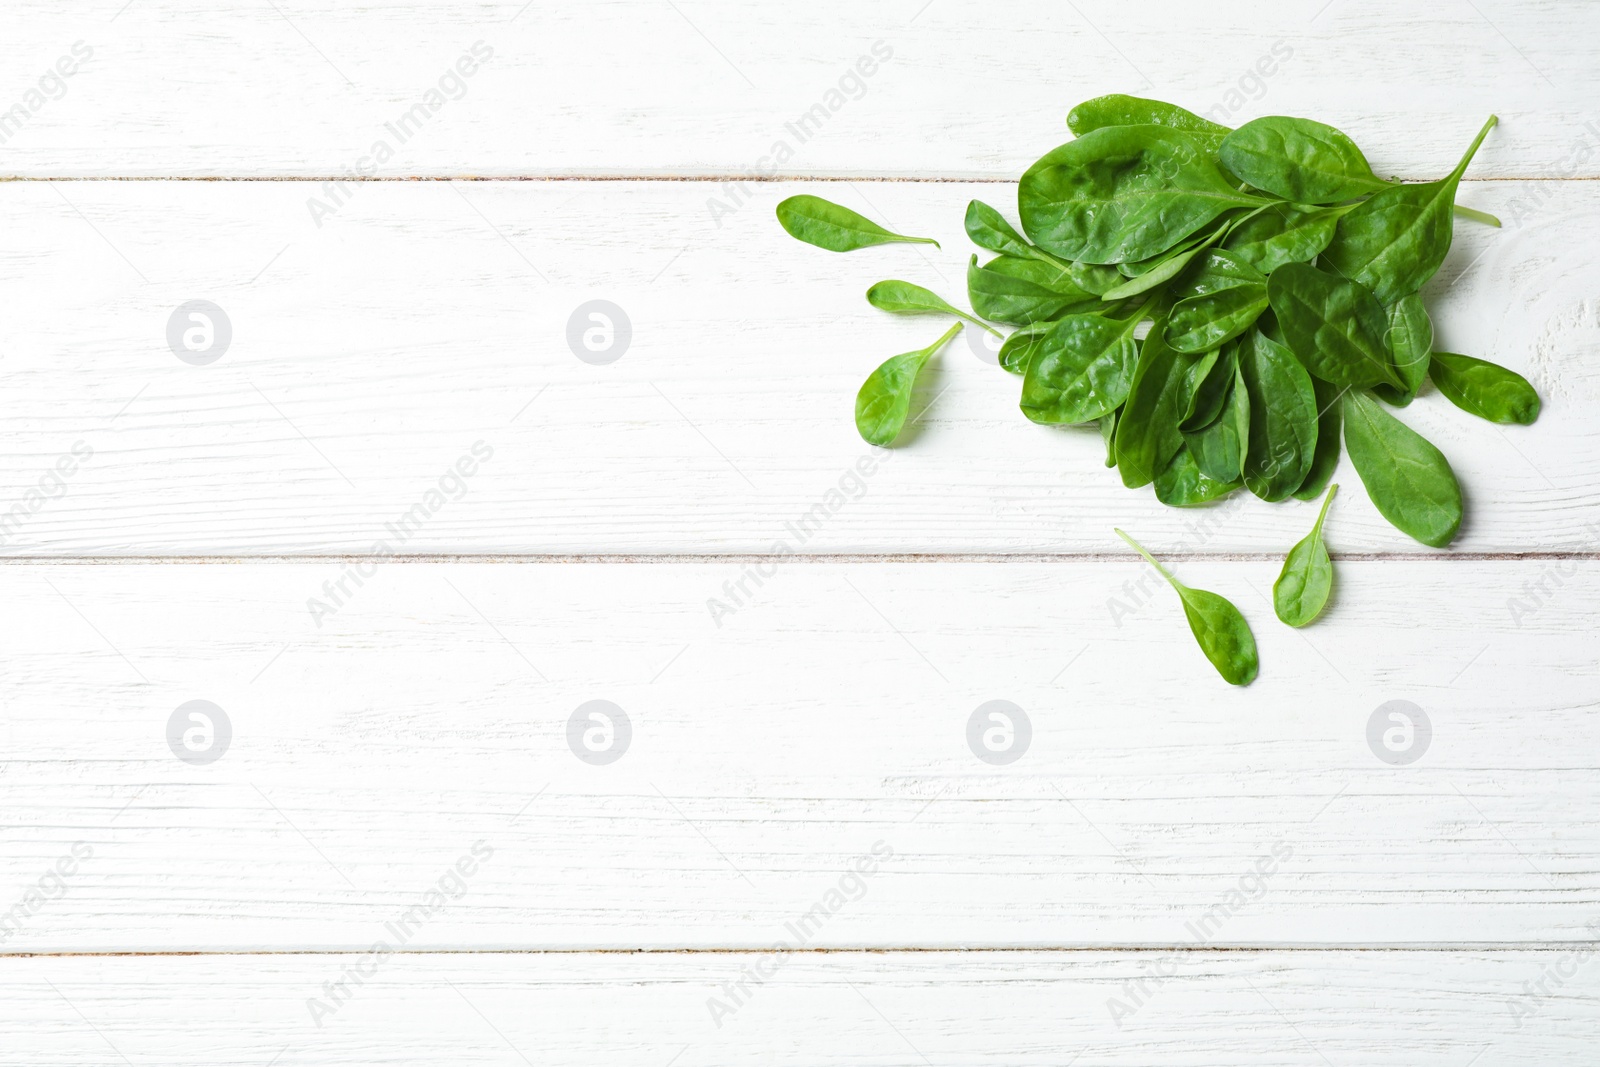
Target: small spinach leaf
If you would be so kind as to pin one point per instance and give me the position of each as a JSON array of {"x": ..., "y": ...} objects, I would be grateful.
[
  {"x": 904, "y": 298},
  {"x": 1282, "y": 234},
  {"x": 1229, "y": 296},
  {"x": 1023, "y": 291},
  {"x": 1125, "y": 193},
  {"x": 1219, "y": 448},
  {"x": 1334, "y": 325},
  {"x": 1182, "y": 484},
  {"x": 1119, "y": 110},
  {"x": 835, "y": 227},
  {"x": 1283, "y": 417},
  {"x": 1302, "y": 588},
  {"x": 1081, "y": 370},
  {"x": 1410, "y": 339},
  {"x": 1016, "y": 352},
  {"x": 1485, "y": 389},
  {"x": 1147, "y": 430},
  {"x": 884, "y": 400},
  {"x": 1298, "y": 159},
  {"x": 1329, "y": 425},
  {"x": 1410, "y": 482},
  {"x": 1223, "y": 634}
]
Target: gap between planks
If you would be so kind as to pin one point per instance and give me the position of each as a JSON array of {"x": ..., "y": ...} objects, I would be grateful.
[{"x": 1498, "y": 947}]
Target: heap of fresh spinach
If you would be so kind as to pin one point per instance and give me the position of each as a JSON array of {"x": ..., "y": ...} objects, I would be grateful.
[{"x": 1222, "y": 303}]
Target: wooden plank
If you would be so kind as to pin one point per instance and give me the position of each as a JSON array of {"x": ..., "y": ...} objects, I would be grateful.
[
  {"x": 423, "y": 321},
  {"x": 1196, "y": 1009},
  {"x": 712, "y": 87},
  {"x": 826, "y": 715}
]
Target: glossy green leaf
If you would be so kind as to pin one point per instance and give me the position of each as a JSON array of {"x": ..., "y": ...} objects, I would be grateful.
[
  {"x": 1022, "y": 291},
  {"x": 1220, "y": 447},
  {"x": 1125, "y": 193},
  {"x": 1303, "y": 586},
  {"x": 1096, "y": 278},
  {"x": 1410, "y": 340},
  {"x": 1182, "y": 484},
  {"x": 835, "y": 227},
  {"x": 1016, "y": 352},
  {"x": 1329, "y": 428},
  {"x": 1081, "y": 370},
  {"x": 1147, "y": 429},
  {"x": 1485, "y": 389},
  {"x": 884, "y": 399},
  {"x": 1224, "y": 636},
  {"x": 1410, "y": 482},
  {"x": 1209, "y": 381},
  {"x": 1108, "y": 435},
  {"x": 987, "y": 228},
  {"x": 1300, "y": 160},
  {"x": 1335, "y": 326},
  {"x": 1119, "y": 110},
  {"x": 1394, "y": 242},
  {"x": 904, "y": 298},
  {"x": 1282, "y": 234},
  {"x": 1230, "y": 297},
  {"x": 1147, "y": 275},
  {"x": 1283, "y": 417}
]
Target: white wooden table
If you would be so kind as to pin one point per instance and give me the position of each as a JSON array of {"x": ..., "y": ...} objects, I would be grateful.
[{"x": 796, "y": 859}]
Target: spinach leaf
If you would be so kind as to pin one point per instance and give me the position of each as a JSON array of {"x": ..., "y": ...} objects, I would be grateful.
[
  {"x": 1147, "y": 429},
  {"x": 1302, "y": 588},
  {"x": 1023, "y": 291},
  {"x": 1410, "y": 340},
  {"x": 1395, "y": 241},
  {"x": 1125, "y": 193},
  {"x": 1230, "y": 296},
  {"x": 835, "y": 227},
  {"x": 1334, "y": 325},
  {"x": 1282, "y": 234},
  {"x": 989, "y": 229},
  {"x": 1108, "y": 435},
  {"x": 1182, "y": 484},
  {"x": 904, "y": 298},
  {"x": 1147, "y": 274},
  {"x": 1410, "y": 482},
  {"x": 884, "y": 400},
  {"x": 1210, "y": 378},
  {"x": 1016, "y": 352},
  {"x": 1081, "y": 370},
  {"x": 1298, "y": 159},
  {"x": 1223, "y": 634},
  {"x": 1485, "y": 389},
  {"x": 1119, "y": 110},
  {"x": 1096, "y": 278},
  {"x": 1283, "y": 417},
  {"x": 1329, "y": 425},
  {"x": 1220, "y": 447}
]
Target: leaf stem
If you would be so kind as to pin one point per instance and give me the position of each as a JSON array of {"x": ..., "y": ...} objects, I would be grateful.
[
  {"x": 941, "y": 342},
  {"x": 1323, "y": 514},
  {"x": 1137, "y": 547},
  {"x": 981, "y": 324},
  {"x": 1461, "y": 167},
  {"x": 1477, "y": 216}
]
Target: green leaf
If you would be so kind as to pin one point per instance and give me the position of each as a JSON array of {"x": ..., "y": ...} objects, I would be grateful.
[
  {"x": 884, "y": 400},
  {"x": 1283, "y": 417},
  {"x": 1108, "y": 435},
  {"x": 1299, "y": 160},
  {"x": 904, "y": 298},
  {"x": 1395, "y": 241},
  {"x": 989, "y": 229},
  {"x": 1119, "y": 110},
  {"x": 1210, "y": 380},
  {"x": 1147, "y": 430},
  {"x": 1125, "y": 193},
  {"x": 1182, "y": 484},
  {"x": 1282, "y": 234},
  {"x": 1081, "y": 371},
  {"x": 1023, "y": 291},
  {"x": 1302, "y": 588},
  {"x": 1223, "y": 634},
  {"x": 1016, "y": 352},
  {"x": 1146, "y": 275},
  {"x": 1485, "y": 389},
  {"x": 1219, "y": 448},
  {"x": 1334, "y": 325},
  {"x": 1410, "y": 340},
  {"x": 1329, "y": 426},
  {"x": 1410, "y": 482},
  {"x": 1096, "y": 278},
  {"x": 832, "y": 226},
  {"x": 1230, "y": 297}
]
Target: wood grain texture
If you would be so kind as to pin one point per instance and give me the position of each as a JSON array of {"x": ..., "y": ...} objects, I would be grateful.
[
  {"x": 1397, "y": 1009},
  {"x": 973, "y": 88},
  {"x": 371, "y": 353},
  {"x": 828, "y": 713}
]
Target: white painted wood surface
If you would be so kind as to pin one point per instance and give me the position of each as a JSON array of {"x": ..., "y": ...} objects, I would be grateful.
[
  {"x": 973, "y": 88},
  {"x": 828, "y": 711},
  {"x": 369, "y": 354},
  {"x": 1439, "y": 1009}
]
